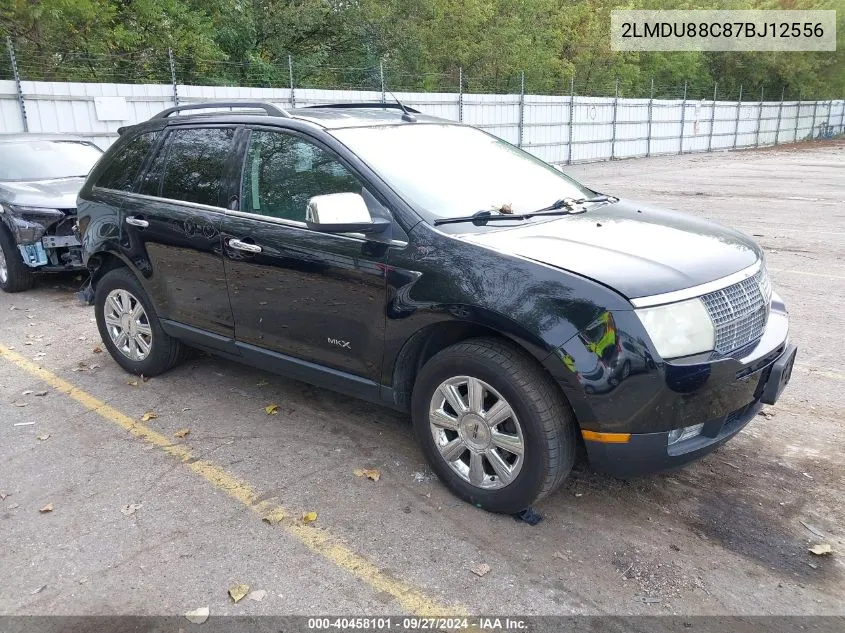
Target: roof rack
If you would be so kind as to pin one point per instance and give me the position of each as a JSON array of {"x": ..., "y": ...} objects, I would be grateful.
[
  {"x": 372, "y": 104},
  {"x": 269, "y": 109}
]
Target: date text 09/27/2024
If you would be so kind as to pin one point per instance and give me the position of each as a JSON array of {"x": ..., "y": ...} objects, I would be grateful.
[{"x": 417, "y": 623}]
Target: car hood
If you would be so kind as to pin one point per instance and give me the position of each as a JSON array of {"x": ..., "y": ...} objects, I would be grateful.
[
  {"x": 635, "y": 249},
  {"x": 59, "y": 193}
]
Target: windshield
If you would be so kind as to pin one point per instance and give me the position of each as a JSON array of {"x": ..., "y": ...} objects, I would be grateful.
[
  {"x": 46, "y": 160},
  {"x": 452, "y": 170}
]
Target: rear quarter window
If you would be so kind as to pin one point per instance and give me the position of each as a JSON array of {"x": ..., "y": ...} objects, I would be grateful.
[{"x": 121, "y": 171}]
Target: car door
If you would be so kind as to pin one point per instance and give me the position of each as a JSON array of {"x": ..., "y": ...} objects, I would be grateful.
[
  {"x": 172, "y": 225},
  {"x": 313, "y": 296}
]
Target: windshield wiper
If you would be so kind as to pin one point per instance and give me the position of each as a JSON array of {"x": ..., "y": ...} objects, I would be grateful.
[{"x": 564, "y": 206}]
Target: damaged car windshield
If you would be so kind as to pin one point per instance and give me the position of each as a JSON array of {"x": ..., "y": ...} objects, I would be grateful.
[{"x": 46, "y": 160}]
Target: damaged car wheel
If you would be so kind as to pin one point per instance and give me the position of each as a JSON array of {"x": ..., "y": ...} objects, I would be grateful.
[
  {"x": 130, "y": 328},
  {"x": 14, "y": 274}
]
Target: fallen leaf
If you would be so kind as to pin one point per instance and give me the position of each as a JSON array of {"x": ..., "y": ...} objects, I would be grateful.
[
  {"x": 38, "y": 590},
  {"x": 370, "y": 473},
  {"x": 182, "y": 433},
  {"x": 21, "y": 404},
  {"x": 820, "y": 549},
  {"x": 44, "y": 437},
  {"x": 3, "y": 495},
  {"x": 309, "y": 517},
  {"x": 40, "y": 394},
  {"x": 12, "y": 506},
  {"x": 271, "y": 409},
  {"x": 258, "y": 595},
  {"x": 480, "y": 569},
  {"x": 149, "y": 415},
  {"x": 274, "y": 516},
  {"x": 132, "y": 383},
  {"x": 47, "y": 508},
  {"x": 237, "y": 592},
  {"x": 27, "y": 392},
  {"x": 97, "y": 350},
  {"x": 130, "y": 508},
  {"x": 198, "y": 616}
]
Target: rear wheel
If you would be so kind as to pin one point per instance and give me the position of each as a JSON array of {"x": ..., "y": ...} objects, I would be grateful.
[
  {"x": 130, "y": 328},
  {"x": 14, "y": 274},
  {"x": 493, "y": 425}
]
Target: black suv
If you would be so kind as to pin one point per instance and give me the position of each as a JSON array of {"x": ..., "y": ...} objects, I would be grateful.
[{"x": 434, "y": 268}]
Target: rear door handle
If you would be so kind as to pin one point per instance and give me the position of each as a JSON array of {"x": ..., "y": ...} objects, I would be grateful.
[
  {"x": 244, "y": 246},
  {"x": 132, "y": 220}
]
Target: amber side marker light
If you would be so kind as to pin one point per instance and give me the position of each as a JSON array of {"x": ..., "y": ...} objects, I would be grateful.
[{"x": 606, "y": 438}]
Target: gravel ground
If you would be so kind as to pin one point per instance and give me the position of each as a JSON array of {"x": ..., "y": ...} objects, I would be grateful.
[{"x": 726, "y": 535}]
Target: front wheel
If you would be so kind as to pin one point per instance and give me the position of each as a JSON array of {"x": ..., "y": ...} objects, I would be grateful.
[
  {"x": 493, "y": 425},
  {"x": 14, "y": 274},
  {"x": 130, "y": 328}
]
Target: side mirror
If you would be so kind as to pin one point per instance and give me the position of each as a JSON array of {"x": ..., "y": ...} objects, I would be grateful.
[{"x": 342, "y": 213}]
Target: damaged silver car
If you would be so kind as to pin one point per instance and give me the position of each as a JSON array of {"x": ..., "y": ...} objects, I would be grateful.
[{"x": 40, "y": 177}]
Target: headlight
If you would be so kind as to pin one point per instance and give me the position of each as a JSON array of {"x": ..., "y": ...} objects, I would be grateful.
[{"x": 679, "y": 329}]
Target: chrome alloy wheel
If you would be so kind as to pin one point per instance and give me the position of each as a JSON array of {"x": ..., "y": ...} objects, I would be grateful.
[
  {"x": 4, "y": 267},
  {"x": 477, "y": 432},
  {"x": 128, "y": 325}
]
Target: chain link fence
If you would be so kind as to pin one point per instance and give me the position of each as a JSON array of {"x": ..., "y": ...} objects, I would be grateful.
[{"x": 580, "y": 120}]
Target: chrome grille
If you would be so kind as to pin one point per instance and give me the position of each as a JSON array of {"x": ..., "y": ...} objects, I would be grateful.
[{"x": 739, "y": 312}]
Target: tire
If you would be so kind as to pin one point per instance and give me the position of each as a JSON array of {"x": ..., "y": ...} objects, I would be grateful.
[
  {"x": 15, "y": 276},
  {"x": 541, "y": 418},
  {"x": 163, "y": 351}
]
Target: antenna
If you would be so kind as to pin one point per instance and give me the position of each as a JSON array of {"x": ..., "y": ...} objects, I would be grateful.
[{"x": 406, "y": 115}]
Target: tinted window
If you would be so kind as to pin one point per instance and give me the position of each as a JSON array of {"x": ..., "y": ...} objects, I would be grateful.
[
  {"x": 282, "y": 172},
  {"x": 195, "y": 162},
  {"x": 121, "y": 171},
  {"x": 151, "y": 180}
]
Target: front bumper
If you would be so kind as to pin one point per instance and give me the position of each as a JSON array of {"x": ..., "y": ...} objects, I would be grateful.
[
  {"x": 626, "y": 419},
  {"x": 651, "y": 452}
]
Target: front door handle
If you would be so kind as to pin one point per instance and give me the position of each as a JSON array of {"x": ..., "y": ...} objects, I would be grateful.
[
  {"x": 140, "y": 223},
  {"x": 244, "y": 246}
]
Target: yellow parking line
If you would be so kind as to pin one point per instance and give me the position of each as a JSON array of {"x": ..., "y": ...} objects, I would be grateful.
[
  {"x": 814, "y": 371},
  {"x": 317, "y": 540}
]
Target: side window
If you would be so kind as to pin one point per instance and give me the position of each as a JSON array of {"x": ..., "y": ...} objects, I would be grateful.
[
  {"x": 121, "y": 171},
  {"x": 282, "y": 172},
  {"x": 195, "y": 163},
  {"x": 151, "y": 180}
]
